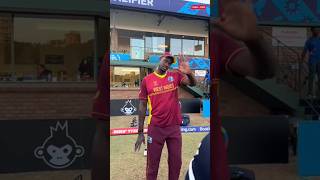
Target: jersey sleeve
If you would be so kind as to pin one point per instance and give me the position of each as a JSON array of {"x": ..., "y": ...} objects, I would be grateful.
[
  {"x": 181, "y": 77},
  {"x": 225, "y": 49},
  {"x": 100, "y": 102},
  {"x": 143, "y": 93}
]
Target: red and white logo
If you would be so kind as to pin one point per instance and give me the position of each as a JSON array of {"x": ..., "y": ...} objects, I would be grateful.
[{"x": 198, "y": 7}]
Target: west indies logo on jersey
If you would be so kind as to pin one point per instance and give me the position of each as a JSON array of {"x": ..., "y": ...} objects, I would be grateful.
[
  {"x": 128, "y": 108},
  {"x": 170, "y": 79}
]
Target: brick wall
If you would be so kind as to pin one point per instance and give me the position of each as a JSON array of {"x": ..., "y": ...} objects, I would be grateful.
[
  {"x": 59, "y": 101},
  {"x": 46, "y": 101},
  {"x": 133, "y": 93}
]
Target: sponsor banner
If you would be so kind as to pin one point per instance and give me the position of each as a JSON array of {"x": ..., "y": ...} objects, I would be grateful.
[
  {"x": 200, "y": 73},
  {"x": 190, "y": 7},
  {"x": 284, "y": 12},
  {"x": 125, "y": 131},
  {"x": 194, "y": 129},
  {"x": 294, "y": 37},
  {"x": 185, "y": 129},
  {"x": 128, "y": 107}
]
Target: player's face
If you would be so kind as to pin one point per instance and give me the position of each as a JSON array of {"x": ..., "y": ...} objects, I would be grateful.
[{"x": 165, "y": 64}]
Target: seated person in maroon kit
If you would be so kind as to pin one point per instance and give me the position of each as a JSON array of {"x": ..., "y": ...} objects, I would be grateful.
[{"x": 99, "y": 147}]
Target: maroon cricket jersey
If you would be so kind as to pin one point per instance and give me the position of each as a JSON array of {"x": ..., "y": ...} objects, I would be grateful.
[
  {"x": 100, "y": 101},
  {"x": 223, "y": 50},
  {"x": 161, "y": 91}
]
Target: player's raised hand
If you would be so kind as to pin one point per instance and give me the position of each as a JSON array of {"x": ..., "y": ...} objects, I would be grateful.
[
  {"x": 184, "y": 64},
  {"x": 237, "y": 19}
]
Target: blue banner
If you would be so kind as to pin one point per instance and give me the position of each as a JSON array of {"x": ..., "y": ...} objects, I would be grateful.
[
  {"x": 293, "y": 12},
  {"x": 119, "y": 57},
  {"x": 175, "y": 6},
  {"x": 194, "y": 63},
  {"x": 199, "y": 63},
  {"x": 283, "y": 12},
  {"x": 190, "y": 129}
]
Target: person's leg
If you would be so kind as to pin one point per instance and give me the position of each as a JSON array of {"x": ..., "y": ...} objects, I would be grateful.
[
  {"x": 312, "y": 69},
  {"x": 155, "y": 142},
  {"x": 174, "y": 144},
  {"x": 99, "y": 156}
]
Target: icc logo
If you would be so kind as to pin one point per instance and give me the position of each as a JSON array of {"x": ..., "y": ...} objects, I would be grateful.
[
  {"x": 170, "y": 79},
  {"x": 59, "y": 150},
  {"x": 128, "y": 108}
]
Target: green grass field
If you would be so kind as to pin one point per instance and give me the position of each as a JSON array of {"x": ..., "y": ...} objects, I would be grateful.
[{"x": 125, "y": 164}]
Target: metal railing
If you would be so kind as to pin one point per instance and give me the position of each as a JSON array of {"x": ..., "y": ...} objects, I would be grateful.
[
  {"x": 288, "y": 63},
  {"x": 292, "y": 70}
]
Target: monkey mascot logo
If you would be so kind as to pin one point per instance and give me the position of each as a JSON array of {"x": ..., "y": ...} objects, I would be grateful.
[
  {"x": 59, "y": 150},
  {"x": 128, "y": 108}
]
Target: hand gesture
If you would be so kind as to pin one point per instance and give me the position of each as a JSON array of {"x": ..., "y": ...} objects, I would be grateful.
[
  {"x": 237, "y": 20},
  {"x": 184, "y": 64}
]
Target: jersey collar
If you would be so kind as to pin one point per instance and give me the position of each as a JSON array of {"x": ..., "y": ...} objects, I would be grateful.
[{"x": 159, "y": 75}]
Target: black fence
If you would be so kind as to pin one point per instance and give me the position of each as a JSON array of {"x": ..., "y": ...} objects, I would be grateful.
[{"x": 122, "y": 107}]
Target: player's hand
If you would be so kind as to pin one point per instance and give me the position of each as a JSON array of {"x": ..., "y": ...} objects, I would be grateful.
[
  {"x": 184, "y": 64},
  {"x": 238, "y": 20},
  {"x": 139, "y": 141}
]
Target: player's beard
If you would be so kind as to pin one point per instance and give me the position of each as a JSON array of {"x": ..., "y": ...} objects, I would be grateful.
[{"x": 162, "y": 69}]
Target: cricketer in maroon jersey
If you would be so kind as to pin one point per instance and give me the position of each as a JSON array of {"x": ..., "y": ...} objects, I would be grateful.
[
  {"x": 160, "y": 91},
  {"x": 157, "y": 89}
]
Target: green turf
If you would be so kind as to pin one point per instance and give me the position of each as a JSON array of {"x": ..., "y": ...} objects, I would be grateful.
[{"x": 125, "y": 164}]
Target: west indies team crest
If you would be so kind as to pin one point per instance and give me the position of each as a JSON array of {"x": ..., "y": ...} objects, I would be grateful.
[{"x": 170, "y": 79}]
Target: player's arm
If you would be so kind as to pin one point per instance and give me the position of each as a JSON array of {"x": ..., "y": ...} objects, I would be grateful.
[
  {"x": 255, "y": 57},
  {"x": 256, "y": 60},
  {"x": 142, "y": 114},
  {"x": 190, "y": 80},
  {"x": 184, "y": 68}
]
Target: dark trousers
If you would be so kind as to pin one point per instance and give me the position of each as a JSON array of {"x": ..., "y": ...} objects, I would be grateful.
[
  {"x": 157, "y": 136},
  {"x": 314, "y": 68}
]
